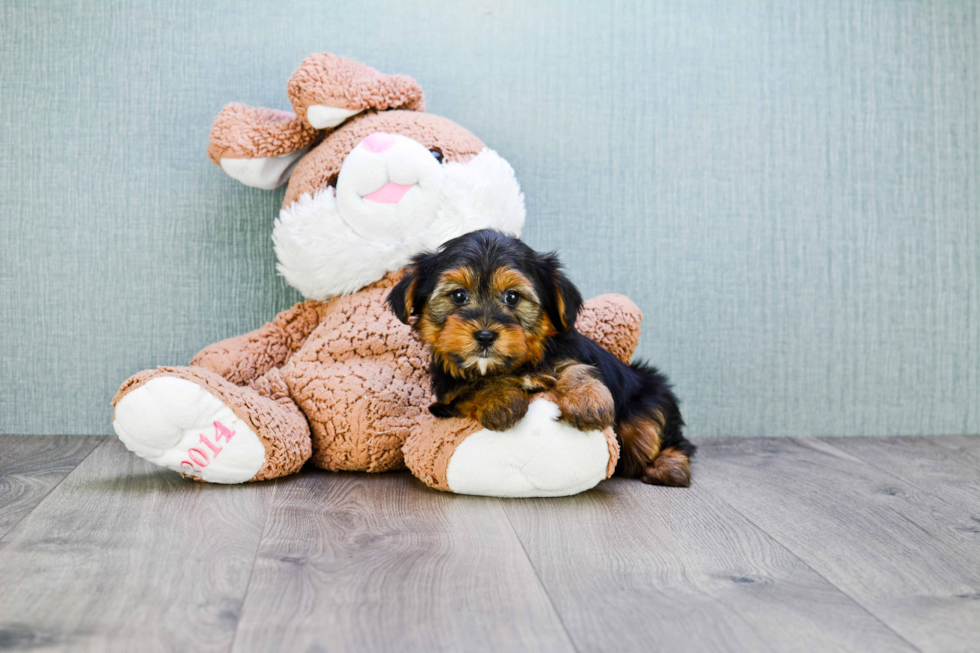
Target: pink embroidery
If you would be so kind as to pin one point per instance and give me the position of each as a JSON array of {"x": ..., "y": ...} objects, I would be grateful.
[
  {"x": 199, "y": 457},
  {"x": 193, "y": 470},
  {"x": 222, "y": 431},
  {"x": 214, "y": 448}
]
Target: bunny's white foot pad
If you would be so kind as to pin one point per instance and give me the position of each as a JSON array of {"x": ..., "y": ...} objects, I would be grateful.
[
  {"x": 177, "y": 424},
  {"x": 539, "y": 457}
]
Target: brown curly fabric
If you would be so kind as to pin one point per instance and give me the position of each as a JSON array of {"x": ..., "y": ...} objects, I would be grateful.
[
  {"x": 265, "y": 407},
  {"x": 244, "y": 132},
  {"x": 361, "y": 379},
  {"x": 430, "y": 446},
  {"x": 319, "y": 168},
  {"x": 345, "y": 382},
  {"x": 334, "y": 81},
  {"x": 243, "y": 358},
  {"x": 613, "y": 321},
  {"x": 613, "y": 444},
  {"x": 349, "y": 378}
]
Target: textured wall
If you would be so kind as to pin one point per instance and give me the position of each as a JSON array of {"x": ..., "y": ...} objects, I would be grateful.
[{"x": 789, "y": 190}]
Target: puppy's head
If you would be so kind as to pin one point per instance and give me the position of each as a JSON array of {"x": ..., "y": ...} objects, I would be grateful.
[{"x": 486, "y": 303}]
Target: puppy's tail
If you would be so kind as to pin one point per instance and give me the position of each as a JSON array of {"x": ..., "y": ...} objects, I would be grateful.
[{"x": 651, "y": 432}]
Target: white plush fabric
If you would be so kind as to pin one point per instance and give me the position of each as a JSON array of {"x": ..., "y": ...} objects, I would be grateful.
[
  {"x": 540, "y": 457},
  {"x": 334, "y": 243},
  {"x": 320, "y": 116},
  {"x": 171, "y": 422},
  {"x": 263, "y": 172}
]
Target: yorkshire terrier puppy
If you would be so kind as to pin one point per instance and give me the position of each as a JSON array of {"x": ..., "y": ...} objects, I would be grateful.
[{"x": 500, "y": 321}]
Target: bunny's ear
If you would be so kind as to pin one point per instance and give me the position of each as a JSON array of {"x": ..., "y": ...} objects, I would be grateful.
[
  {"x": 258, "y": 147},
  {"x": 326, "y": 90}
]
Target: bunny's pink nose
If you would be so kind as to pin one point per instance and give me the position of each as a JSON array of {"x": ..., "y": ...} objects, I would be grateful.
[{"x": 379, "y": 142}]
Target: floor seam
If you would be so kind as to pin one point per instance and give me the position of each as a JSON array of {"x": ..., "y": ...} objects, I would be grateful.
[
  {"x": 544, "y": 588},
  {"x": 13, "y": 527},
  {"x": 255, "y": 558},
  {"x": 806, "y": 564}
]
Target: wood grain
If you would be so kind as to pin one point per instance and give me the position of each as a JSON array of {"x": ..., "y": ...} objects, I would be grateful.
[
  {"x": 123, "y": 556},
  {"x": 899, "y": 551},
  {"x": 781, "y": 545},
  {"x": 373, "y": 563},
  {"x": 637, "y": 568},
  {"x": 927, "y": 464},
  {"x": 30, "y": 466},
  {"x": 966, "y": 448}
]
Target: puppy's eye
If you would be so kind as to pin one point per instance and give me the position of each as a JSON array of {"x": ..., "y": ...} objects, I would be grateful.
[
  {"x": 459, "y": 296},
  {"x": 437, "y": 155},
  {"x": 512, "y": 298}
]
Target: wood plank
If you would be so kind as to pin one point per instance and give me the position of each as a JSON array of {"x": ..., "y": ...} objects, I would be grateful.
[
  {"x": 966, "y": 447},
  {"x": 927, "y": 464},
  {"x": 124, "y": 556},
  {"x": 897, "y": 550},
  {"x": 31, "y": 465},
  {"x": 637, "y": 568},
  {"x": 354, "y": 562}
]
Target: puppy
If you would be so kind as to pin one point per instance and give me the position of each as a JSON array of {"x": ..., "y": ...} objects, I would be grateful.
[{"x": 500, "y": 321}]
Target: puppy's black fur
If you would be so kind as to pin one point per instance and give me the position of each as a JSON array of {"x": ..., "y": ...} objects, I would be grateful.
[{"x": 466, "y": 288}]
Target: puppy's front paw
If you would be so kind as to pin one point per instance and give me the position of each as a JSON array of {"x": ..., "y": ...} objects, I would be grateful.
[
  {"x": 503, "y": 415},
  {"x": 584, "y": 400}
]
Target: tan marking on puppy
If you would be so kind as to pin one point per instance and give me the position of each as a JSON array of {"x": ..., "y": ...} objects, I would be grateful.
[
  {"x": 512, "y": 342},
  {"x": 452, "y": 343},
  {"x": 408, "y": 299},
  {"x": 497, "y": 405},
  {"x": 641, "y": 437},
  {"x": 585, "y": 402},
  {"x": 538, "y": 382},
  {"x": 439, "y": 306},
  {"x": 561, "y": 309},
  {"x": 451, "y": 336},
  {"x": 504, "y": 279},
  {"x": 671, "y": 467},
  {"x": 457, "y": 278}
]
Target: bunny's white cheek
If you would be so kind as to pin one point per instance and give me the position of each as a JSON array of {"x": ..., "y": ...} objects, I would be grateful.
[
  {"x": 388, "y": 188},
  {"x": 336, "y": 243}
]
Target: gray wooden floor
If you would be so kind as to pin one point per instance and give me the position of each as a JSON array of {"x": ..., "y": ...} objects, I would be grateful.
[{"x": 782, "y": 544}]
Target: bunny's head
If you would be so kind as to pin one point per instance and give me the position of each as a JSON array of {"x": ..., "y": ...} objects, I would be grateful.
[{"x": 372, "y": 179}]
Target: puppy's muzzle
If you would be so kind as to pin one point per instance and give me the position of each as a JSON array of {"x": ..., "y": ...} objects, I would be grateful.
[{"x": 485, "y": 337}]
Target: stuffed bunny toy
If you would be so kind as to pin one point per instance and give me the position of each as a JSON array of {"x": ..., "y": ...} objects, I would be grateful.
[{"x": 338, "y": 379}]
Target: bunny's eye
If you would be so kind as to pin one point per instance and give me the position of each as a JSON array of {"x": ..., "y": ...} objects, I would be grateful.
[{"x": 437, "y": 155}]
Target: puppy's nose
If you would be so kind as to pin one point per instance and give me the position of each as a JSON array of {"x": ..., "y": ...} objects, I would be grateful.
[
  {"x": 379, "y": 142},
  {"x": 484, "y": 337}
]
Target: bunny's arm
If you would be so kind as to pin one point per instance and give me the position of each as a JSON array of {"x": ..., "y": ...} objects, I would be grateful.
[
  {"x": 613, "y": 321},
  {"x": 244, "y": 358}
]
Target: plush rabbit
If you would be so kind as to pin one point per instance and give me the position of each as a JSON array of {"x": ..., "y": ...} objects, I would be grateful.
[{"x": 338, "y": 379}]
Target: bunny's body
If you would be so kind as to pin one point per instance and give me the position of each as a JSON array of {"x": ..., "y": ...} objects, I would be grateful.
[{"x": 338, "y": 379}]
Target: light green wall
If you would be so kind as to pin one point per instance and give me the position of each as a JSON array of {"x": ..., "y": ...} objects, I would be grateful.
[{"x": 789, "y": 190}]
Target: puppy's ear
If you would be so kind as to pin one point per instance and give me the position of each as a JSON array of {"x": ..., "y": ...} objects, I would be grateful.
[
  {"x": 559, "y": 296},
  {"x": 409, "y": 295},
  {"x": 400, "y": 299}
]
